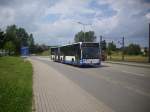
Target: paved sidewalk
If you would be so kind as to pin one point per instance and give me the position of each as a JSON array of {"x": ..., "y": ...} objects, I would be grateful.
[
  {"x": 53, "y": 92},
  {"x": 145, "y": 65}
]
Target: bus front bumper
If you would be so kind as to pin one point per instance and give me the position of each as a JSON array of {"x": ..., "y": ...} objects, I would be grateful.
[{"x": 91, "y": 62}]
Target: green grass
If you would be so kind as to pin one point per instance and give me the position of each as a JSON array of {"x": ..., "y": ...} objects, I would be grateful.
[
  {"x": 15, "y": 85},
  {"x": 45, "y": 53},
  {"x": 128, "y": 58}
]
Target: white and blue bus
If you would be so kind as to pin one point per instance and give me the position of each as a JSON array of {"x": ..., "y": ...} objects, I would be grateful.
[
  {"x": 81, "y": 53},
  {"x": 55, "y": 54}
]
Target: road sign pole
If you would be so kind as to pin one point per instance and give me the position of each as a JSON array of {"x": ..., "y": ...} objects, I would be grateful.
[{"x": 100, "y": 46}]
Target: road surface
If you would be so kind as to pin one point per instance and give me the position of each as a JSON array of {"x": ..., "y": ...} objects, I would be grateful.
[{"x": 120, "y": 88}]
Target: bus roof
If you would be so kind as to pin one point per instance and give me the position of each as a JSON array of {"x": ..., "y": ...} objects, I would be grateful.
[
  {"x": 74, "y": 44},
  {"x": 78, "y": 43}
]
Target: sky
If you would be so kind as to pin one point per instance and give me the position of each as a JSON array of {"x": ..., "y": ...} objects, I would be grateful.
[{"x": 55, "y": 22}]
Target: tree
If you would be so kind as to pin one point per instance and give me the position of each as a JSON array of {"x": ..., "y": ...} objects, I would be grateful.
[
  {"x": 10, "y": 47},
  {"x": 2, "y": 38},
  {"x": 31, "y": 43},
  {"x": 31, "y": 40},
  {"x": 19, "y": 37},
  {"x": 145, "y": 51},
  {"x": 125, "y": 50},
  {"x": 111, "y": 47},
  {"x": 79, "y": 37},
  {"x": 16, "y": 38},
  {"x": 22, "y": 37},
  {"x": 11, "y": 33},
  {"x": 133, "y": 49},
  {"x": 103, "y": 45},
  {"x": 40, "y": 48},
  {"x": 85, "y": 36}
]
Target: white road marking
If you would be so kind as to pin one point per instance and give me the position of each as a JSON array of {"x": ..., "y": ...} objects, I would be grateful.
[
  {"x": 123, "y": 84},
  {"x": 115, "y": 67},
  {"x": 133, "y": 73},
  {"x": 138, "y": 91}
]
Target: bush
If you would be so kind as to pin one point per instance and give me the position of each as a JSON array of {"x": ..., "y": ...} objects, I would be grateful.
[{"x": 133, "y": 49}]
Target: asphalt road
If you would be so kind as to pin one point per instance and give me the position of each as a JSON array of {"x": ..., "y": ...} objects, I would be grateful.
[{"x": 123, "y": 88}]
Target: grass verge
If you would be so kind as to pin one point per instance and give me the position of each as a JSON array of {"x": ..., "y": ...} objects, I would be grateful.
[
  {"x": 128, "y": 58},
  {"x": 15, "y": 85},
  {"x": 45, "y": 53}
]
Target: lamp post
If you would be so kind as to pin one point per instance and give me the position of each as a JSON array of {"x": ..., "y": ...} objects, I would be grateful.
[
  {"x": 123, "y": 49},
  {"x": 149, "y": 45}
]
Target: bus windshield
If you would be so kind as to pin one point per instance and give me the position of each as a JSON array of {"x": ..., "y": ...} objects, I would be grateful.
[{"x": 90, "y": 52}]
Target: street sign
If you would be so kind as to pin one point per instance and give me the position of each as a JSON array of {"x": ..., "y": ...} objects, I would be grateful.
[{"x": 24, "y": 51}]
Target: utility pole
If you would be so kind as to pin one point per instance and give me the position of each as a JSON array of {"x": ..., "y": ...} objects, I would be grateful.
[
  {"x": 84, "y": 31},
  {"x": 123, "y": 49},
  {"x": 149, "y": 46},
  {"x": 100, "y": 46},
  {"x": 101, "y": 38}
]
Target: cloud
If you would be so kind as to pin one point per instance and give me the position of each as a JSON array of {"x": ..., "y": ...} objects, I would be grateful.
[
  {"x": 7, "y": 16},
  {"x": 53, "y": 21},
  {"x": 129, "y": 21}
]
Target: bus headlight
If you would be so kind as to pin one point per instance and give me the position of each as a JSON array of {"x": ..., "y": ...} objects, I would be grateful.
[{"x": 81, "y": 61}]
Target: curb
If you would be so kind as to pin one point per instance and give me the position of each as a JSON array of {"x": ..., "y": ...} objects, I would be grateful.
[{"x": 129, "y": 64}]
